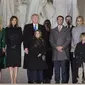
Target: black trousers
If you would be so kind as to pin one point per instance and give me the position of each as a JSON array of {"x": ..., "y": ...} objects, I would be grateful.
[
  {"x": 47, "y": 73},
  {"x": 30, "y": 76},
  {"x": 38, "y": 76},
  {"x": 35, "y": 76},
  {"x": 63, "y": 71},
  {"x": 74, "y": 69}
]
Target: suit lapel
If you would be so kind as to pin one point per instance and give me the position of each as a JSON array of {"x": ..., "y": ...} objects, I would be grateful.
[
  {"x": 32, "y": 28},
  {"x": 39, "y": 27},
  {"x": 57, "y": 29},
  {"x": 63, "y": 29}
]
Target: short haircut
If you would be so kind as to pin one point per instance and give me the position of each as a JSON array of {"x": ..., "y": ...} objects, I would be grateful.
[
  {"x": 60, "y": 16},
  {"x": 82, "y": 35},
  {"x": 68, "y": 16},
  {"x": 35, "y": 15}
]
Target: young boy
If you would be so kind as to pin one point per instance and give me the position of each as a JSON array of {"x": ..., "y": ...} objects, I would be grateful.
[{"x": 80, "y": 58}]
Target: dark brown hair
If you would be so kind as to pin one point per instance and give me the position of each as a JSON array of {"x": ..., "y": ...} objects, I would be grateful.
[
  {"x": 68, "y": 16},
  {"x": 60, "y": 16},
  {"x": 39, "y": 32},
  {"x": 10, "y": 24},
  {"x": 47, "y": 24},
  {"x": 82, "y": 35}
]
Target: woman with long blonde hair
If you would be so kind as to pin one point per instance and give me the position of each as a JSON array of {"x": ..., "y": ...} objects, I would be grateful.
[{"x": 80, "y": 27}]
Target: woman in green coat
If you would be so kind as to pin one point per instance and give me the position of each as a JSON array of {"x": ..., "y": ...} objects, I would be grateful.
[{"x": 2, "y": 48}]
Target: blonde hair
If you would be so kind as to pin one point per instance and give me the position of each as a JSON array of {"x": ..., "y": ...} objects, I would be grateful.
[
  {"x": 80, "y": 18},
  {"x": 35, "y": 15},
  {"x": 0, "y": 27},
  {"x": 0, "y": 23}
]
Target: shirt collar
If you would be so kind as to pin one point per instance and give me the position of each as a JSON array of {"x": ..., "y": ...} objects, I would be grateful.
[
  {"x": 70, "y": 26},
  {"x": 35, "y": 24},
  {"x": 60, "y": 26}
]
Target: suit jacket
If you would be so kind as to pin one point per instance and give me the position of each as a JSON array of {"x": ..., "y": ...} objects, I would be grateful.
[
  {"x": 61, "y": 38},
  {"x": 70, "y": 27},
  {"x": 28, "y": 34}
]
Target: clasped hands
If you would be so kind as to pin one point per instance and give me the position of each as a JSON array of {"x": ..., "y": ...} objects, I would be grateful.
[{"x": 59, "y": 48}]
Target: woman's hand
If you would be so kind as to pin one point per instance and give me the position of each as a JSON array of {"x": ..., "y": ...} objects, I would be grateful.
[{"x": 3, "y": 50}]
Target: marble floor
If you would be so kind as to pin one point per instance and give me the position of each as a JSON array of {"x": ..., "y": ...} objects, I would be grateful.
[{"x": 22, "y": 77}]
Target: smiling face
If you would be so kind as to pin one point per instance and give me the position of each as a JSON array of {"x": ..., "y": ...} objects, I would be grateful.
[
  {"x": 83, "y": 38},
  {"x": 37, "y": 34},
  {"x": 79, "y": 21},
  {"x": 60, "y": 21},
  {"x": 35, "y": 19},
  {"x": 14, "y": 21}
]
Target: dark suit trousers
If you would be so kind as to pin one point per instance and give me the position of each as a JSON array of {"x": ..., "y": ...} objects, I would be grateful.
[
  {"x": 35, "y": 76},
  {"x": 30, "y": 76},
  {"x": 63, "y": 72},
  {"x": 74, "y": 69},
  {"x": 38, "y": 76}
]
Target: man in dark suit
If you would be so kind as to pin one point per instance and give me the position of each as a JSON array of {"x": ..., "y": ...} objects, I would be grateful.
[
  {"x": 27, "y": 40},
  {"x": 69, "y": 25},
  {"x": 60, "y": 40}
]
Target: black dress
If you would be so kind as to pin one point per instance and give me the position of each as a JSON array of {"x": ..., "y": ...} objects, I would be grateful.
[
  {"x": 33, "y": 61},
  {"x": 13, "y": 42}
]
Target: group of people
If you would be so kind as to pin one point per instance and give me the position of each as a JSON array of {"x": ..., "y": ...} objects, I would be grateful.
[{"x": 44, "y": 48}]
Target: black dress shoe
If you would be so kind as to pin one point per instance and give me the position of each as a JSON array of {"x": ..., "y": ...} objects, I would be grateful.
[
  {"x": 47, "y": 81},
  {"x": 30, "y": 82}
]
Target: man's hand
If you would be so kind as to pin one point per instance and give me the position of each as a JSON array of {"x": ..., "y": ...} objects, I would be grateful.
[
  {"x": 26, "y": 50},
  {"x": 59, "y": 48}
]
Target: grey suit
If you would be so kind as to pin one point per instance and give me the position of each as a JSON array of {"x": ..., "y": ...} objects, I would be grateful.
[
  {"x": 60, "y": 59},
  {"x": 61, "y": 38}
]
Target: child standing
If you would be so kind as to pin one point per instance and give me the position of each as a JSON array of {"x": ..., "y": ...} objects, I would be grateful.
[
  {"x": 80, "y": 58},
  {"x": 36, "y": 61}
]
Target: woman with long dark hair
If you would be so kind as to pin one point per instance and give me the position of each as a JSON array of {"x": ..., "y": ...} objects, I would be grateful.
[
  {"x": 48, "y": 72},
  {"x": 13, "y": 43}
]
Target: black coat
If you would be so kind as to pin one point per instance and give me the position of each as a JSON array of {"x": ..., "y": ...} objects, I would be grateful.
[
  {"x": 35, "y": 62},
  {"x": 13, "y": 42},
  {"x": 28, "y": 34},
  {"x": 80, "y": 53}
]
